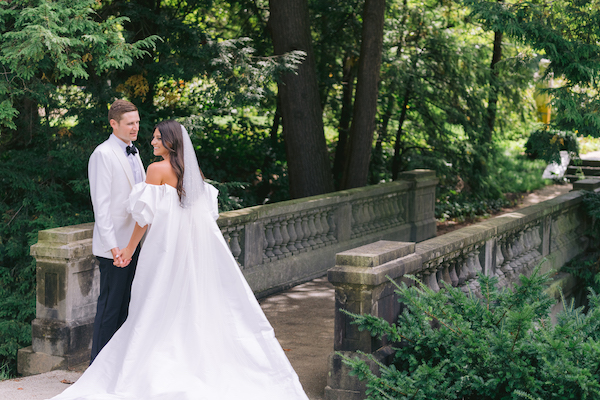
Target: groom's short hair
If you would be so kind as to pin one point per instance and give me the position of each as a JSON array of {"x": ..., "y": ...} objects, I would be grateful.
[{"x": 120, "y": 107}]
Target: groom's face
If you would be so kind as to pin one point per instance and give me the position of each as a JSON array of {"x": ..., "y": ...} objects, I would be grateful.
[{"x": 127, "y": 128}]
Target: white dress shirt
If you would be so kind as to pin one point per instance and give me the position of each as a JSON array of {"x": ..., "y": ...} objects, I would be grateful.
[{"x": 135, "y": 166}]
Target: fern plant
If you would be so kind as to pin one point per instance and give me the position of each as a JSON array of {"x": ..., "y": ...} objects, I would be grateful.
[{"x": 501, "y": 346}]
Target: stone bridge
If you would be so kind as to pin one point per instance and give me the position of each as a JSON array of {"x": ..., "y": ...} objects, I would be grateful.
[
  {"x": 506, "y": 247},
  {"x": 277, "y": 246},
  {"x": 280, "y": 245}
]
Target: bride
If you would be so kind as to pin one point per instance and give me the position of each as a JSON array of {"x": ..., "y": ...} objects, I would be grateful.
[{"x": 195, "y": 330}]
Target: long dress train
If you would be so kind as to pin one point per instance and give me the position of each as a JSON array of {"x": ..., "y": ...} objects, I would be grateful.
[{"x": 195, "y": 330}]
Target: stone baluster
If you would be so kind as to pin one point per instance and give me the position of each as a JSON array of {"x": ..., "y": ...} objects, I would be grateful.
[
  {"x": 394, "y": 210},
  {"x": 453, "y": 274},
  {"x": 364, "y": 216},
  {"x": 463, "y": 275},
  {"x": 507, "y": 255},
  {"x": 299, "y": 234},
  {"x": 278, "y": 239},
  {"x": 429, "y": 277},
  {"x": 472, "y": 273},
  {"x": 526, "y": 257},
  {"x": 372, "y": 216},
  {"x": 325, "y": 227},
  {"x": 537, "y": 241},
  {"x": 445, "y": 270},
  {"x": 332, "y": 226},
  {"x": 378, "y": 213},
  {"x": 306, "y": 233},
  {"x": 312, "y": 231},
  {"x": 436, "y": 273},
  {"x": 515, "y": 263},
  {"x": 474, "y": 255},
  {"x": 499, "y": 262},
  {"x": 318, "y": 229},
  {"x": 386, "y": 213},
  {"x": 285, "y": 237},
  {"x": 291, "y": 231},
  {"x": 235, "y": 247},
  {"x": 531, "y": 251},
  {"x": 359, "y": 218},
  {"x": 270, "y": 241},
  {"x": 266, "y": 257},
  {"x": 519, "y": 251},
  {"x": 398, "y": 208}
]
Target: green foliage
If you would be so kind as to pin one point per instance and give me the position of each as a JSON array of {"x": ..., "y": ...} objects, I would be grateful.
[
  {"x": 4, "y": 372},
  {"x": 586, "y": 268},
  {"x": 546, "y": 144},
  {"x": 40, "y": 191},
  {"x": 510, "y": 174},
  {"x": 501, "y": 346},
  {"x": 44, "y": 42},
  {"x": 435, "y": 94},
  {"x": 566, "y": 32}
]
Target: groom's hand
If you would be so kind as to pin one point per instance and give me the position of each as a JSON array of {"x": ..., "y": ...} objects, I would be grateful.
[
  {"x": 125, "y": 257},
  {"x": 117, "y": 257}
]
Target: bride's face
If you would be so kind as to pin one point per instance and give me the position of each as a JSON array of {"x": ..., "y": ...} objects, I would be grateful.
[{"x": 159, "y": 148}]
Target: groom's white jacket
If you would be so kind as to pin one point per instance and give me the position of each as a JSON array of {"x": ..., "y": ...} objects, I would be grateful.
[{"x": 111, "y": 181}]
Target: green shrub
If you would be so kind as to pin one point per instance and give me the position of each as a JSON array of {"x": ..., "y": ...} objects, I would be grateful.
[
  {"x": 546, "y": 144},
  {"x": 501, "y": 346}
]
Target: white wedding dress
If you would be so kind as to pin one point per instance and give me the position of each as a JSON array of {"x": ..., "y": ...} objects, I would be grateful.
[{"x": 195, "y": 330}]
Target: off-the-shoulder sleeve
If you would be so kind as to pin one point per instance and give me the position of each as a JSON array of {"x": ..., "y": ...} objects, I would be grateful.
[
  {"x": 143, "y": 201},
  {"x": 213, "y": 201}
]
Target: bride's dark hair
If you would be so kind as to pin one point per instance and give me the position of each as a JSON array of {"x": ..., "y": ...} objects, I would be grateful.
[{"x": 171, "y": 138}]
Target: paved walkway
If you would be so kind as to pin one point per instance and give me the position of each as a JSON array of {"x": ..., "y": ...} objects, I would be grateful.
[{"x": 303, "y": 321}]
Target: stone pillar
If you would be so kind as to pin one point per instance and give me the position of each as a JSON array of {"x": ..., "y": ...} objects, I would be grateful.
[
  {"x": 362, "y": 287},
  {"x": 589, "y": 184},
  {"x": 66, "y": 296},
  {"x": 421, "y": 203}
]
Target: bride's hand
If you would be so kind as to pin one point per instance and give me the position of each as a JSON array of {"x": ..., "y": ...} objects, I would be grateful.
[{"x": 125, "y": 258}]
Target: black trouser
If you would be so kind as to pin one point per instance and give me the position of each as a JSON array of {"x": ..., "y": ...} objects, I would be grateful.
[{"x": 113, "y": 301}]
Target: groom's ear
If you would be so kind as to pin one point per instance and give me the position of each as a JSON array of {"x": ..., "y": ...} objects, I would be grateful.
[{"x": 113, "y": 123}]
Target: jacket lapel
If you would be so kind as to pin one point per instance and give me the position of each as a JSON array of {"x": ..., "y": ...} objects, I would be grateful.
[{"x": 124, "y": 163}]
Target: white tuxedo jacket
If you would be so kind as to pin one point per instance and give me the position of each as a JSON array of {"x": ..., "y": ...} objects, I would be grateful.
[{"x": 111, "y": 181}]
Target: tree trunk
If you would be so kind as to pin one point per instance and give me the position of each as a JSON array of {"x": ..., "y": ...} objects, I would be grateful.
[
  {"x": 27, "y": 123},
  {"x": 345, "y": 118},
  {"x": 493, "y": 98},
  {"x": 396, "y": 161},
  {"x": 309, "y": 169},
  {"x": 356, "y": 168},
  {"x": 377, "y": 163}
]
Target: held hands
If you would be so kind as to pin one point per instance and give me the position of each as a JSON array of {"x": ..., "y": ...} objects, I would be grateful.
[{"x": 121, "y": 258}]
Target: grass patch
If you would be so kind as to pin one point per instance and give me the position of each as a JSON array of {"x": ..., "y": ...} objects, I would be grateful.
[
  {"x": 510, "y": 173},
  {"x": 587, "y": 144}
]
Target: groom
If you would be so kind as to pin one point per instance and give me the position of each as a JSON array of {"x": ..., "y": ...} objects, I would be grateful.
[{"x": 114, "y": 167}]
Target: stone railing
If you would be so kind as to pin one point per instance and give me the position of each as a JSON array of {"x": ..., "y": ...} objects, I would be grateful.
[
  {"x": 505, "y": 247},
  {"x": 276, "y": 246},
  {"x": 282, "y": 244}
]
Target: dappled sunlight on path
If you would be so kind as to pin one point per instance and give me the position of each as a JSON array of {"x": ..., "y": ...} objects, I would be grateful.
[{"x": 526, "y": 200}]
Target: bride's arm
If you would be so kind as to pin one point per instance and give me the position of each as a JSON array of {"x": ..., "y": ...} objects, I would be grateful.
[{"x": 153, "y": 177}]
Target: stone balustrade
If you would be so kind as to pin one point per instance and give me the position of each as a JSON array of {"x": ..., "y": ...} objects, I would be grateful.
[
  {"x": 276, "y": 245},
  {"x": 506, "y": 247}
]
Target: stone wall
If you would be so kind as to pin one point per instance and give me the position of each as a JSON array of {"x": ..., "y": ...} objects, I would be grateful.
[
  {"x": 276, "y": 245},
  {"x": 505, "y": 246}
]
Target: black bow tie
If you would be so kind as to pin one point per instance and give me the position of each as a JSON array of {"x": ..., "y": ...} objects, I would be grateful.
[{"x": 131, "y": 150}]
